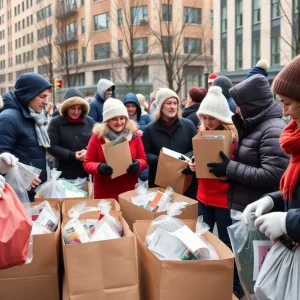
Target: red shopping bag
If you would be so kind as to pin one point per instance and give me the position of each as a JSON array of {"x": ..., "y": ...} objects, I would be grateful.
[{"x": 15, "y": 228}]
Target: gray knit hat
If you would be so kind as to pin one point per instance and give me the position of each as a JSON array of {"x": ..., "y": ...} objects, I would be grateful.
[{"x": 163, "y": 95}]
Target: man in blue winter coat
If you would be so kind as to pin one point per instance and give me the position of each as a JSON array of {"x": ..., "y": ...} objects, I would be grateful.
[
  {"x": 22, "y": 123},
  {"x": 105, "y": 90}
]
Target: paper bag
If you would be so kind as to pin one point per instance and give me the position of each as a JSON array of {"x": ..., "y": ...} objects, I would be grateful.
[
  {"x": 208, "y": 150},
  {"x": 169, "y": 173},
  {"x": 118, "y": 157}
]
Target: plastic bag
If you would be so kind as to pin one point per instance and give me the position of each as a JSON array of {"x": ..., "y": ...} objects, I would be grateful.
[
  {"x": 249, "y": 246},
  {"x": 143, "y": 196},
  {"x": 80, "y": 183}
]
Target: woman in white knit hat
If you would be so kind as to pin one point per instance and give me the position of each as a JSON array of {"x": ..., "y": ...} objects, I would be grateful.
[{"x": 115, "y": 126}]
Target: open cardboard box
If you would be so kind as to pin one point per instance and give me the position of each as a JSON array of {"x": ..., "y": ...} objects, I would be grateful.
[{"x": 132, "y": 212}]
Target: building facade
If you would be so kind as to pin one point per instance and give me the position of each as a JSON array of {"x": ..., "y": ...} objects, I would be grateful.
[
  {"x": 248, "y": 30},
  {"x": 138, "y": 44}
]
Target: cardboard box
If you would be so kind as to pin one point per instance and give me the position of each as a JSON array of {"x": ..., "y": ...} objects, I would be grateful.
[
  {"x": 177, "y": 280},
  {"x": 170, "y": 165},
  {"x": 118, "y": 157},
  {"x": 68, "y": 204},
  {"x": 208, "y": 150},
  {"x": 102, "y": 270},
  {"x": 132, "y": 212},
  {"x": 39, "y": 279}
]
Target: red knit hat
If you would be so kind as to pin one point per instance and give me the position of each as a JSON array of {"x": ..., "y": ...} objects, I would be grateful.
[
  {"x": 197, "y": 94},
  {"x": 211, "y": 78},
  {"x": 287, "y": 82}
]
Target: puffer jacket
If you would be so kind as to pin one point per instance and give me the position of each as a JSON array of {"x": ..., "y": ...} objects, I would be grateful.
[
  {"x": 259, "y": 161},
  {"x": 190, "y": 113}
]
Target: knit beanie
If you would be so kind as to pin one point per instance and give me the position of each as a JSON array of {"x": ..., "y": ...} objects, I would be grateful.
[
  {"x": 215, "y": 105},
  {"x": 113, "y": 108},
  {"x": 287, "y": 82},
  {"x": 261, "y": 68},
  {"x": 224, "y": 83},
  {"x": 163, "y": 95},
  {"x": 197, "y": 94},
  {"x": 211, "y": 78}
]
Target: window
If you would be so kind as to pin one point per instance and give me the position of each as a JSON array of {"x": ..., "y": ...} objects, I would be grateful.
[
  {"x": 44, "y": 32},
  {"x": 275, "y": 50},
  {"x": 2, "y": 64},
  {"x": 120, "y": 48},
  {"x": 140, "y": 46},
  {"x": 44, "y": 51},
  {"x": 224, "y": 58},
  {"x": 256, "y": 4},
  {"x": 82, "y": 26},
  {"x": 101, "y": 22},
  {"x": 167, "y": 44},
  {"x": 239, "y": 56},
  {"x": 83, "y": 53},
  {"x": 44, "y": 69},
  {"x": 296, "y": 8},
  {"x": 192, "y": 77},
  {"x": 211, "y": 19},
  {"x": 239, "y": 13},
  {"x": 192, "y": 46},
  {"x": 75, "y": 80},
  {"x": 275, "y": 9},
  {"x": 102, "y": 51},
  {"x": 10, "y": 76},
  {"x": 120, "y": 17},
  {"x": 167, "y": 12},
  {"x": 23, "y": 6},
  {"x": 139, "y": 13},
  {"x": 255, "y": 52},
  {"x": 44, "y": 13},
  {"x": 211, "y": 47},
  {"x": 192, "y": 15},
  {"x": 10, "y": 62},
  {"x": 140, "y": 74},
  {"x": 101, "y": 74},
  {"x": 24, "y": 40},
  {"x": 71, "y": 58},
  {"x": 224, "y": 19},
  {"x": 82, "y": 2},
  {"x": 72, "y": 27}
]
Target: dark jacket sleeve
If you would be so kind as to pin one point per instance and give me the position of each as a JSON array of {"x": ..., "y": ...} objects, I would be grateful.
[
  {"x": 146, "y": 138},
  {"x": 293, "y": 224},
  {"x": 273, "y": 162},
  {"x": 93, "y": 111},
  {"x": 55, "y": 149},
  {"x": 8, "y": 133},
  {"x": 193, "y": 132},
  {"x": 278, "y": 201}
]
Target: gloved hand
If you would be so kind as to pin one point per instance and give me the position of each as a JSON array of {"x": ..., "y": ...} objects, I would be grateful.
[
  {"x": 2, "y": 181},
  {"x": 7, "y": 161},
  {"x": 272, "y": 224},
  {"x": 219, "y": 169},
  {"x": 134, "y": 167},
  {"x": 105, "y": 169},
  {"x": 187, "y": 171},
  {"x": 182, "y": 158},
  {"x": 259, "y": 207}
]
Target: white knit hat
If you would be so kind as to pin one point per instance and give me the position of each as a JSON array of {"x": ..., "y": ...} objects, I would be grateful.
[
  {"x": 114, "y": 108},
  {"x": 162, "y": 95},
  {"x": 215, "y": 105}
]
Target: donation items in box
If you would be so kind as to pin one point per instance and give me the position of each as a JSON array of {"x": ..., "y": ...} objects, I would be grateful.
[
  {"x": 172, "y": 162},
  {"x": 207, "y": 145},
  {"x": 38, "y": 279},
  {"x": 176, "y": 263},
  {"x": 148, "y": 204},
  {"x": 105, "y": 250}
]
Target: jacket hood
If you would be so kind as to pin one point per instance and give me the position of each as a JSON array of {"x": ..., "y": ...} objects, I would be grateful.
[
  {"x": 103, "y": 85},
  {"x": 224, "y": 83},
  {"x": 132, "y": 98},
  {"x": 190, "y": 109}
]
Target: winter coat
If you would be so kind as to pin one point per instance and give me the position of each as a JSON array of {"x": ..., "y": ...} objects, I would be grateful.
[
  {"x": 190, "y": 113},
  {"x": 104, "y": 186},
  {"x": 67, "y": 138},
  {"x": 96, "y": 105},
  {"x": 259, "y": 161},
  {"x": 156, "y": 136}
]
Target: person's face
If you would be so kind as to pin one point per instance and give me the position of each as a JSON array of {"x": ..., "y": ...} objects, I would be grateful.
[
  {"x": 74, "y": 111},
  {"x": 238, "y": 111},
  {"x": 108, "y": 93},
  {"x": 117, "y": 124},
  {"x": 210, "y": 123},
  {"x": 38, "y": 102},
  {"x": 288, "y": 106},
  {"x": 131, "y": 108},
  {"x": 170, "y": 108}
]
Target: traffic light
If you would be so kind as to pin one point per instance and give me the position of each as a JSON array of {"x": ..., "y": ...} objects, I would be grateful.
[{"x": 58, "y": 83}]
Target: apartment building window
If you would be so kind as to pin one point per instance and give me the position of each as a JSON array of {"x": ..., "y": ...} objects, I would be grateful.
[
  {"x": 211, "y": 18},
  {"x": 44, "y": 32},
  {"x": 44, "y": 13},
  {"x": 23, "y": 6},
  {"x": 75, "y": 79},
  {"x": 275, "y": 50},
  {"x": 72, "y": 27},
  {"x": 83, "y": 53},
  {"x": 10, "y": 62},
  {"x": 72, "y": 57},
  {"x": 82, "y": 26},
  {"x": 167, "y": 12},
  {"x": 1, "y": 4},
  {"x": 167, "y": 44},
  {"x": 102, "y": 51},
  {"x": 140, "y": 74},
  {"x": 120, "y": 17},
  {"x": 192, "y": 46},
  {"x": 211, "y": 47},
  {"x": 239, "y": 13},
  {"x": 239, "y": 56},
  {"x": 192, "y": 15},
  {"x": 10, "y": 76},
  {"x": 140, "y": 46},
  {"x": 275, "y": 9},
  {"x": 44, "y": 51},
  {"x": 224, "y": 58},
  {"x": 101, "y": 22},
  {"x": 224, "y": 19},
  {"x": 44, "y": 69},
  {"x": 24, "y": 40},
  {"x": 9, "y": 45},
  {"x": 2, "y": 79},
  {"x": 101, "y": 74},
  {"x": 31, "y": 19},
  {"x": 296, "y": 6},
  {"x": 256, "y": 4},
  {"x": 120, "y": 48},
  {"x": 31, "y": 35},
  {"x": 255, "y": 52},
  {"x": 139, "y": 14}
]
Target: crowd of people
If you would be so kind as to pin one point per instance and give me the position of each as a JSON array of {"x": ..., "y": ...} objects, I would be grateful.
[{"x": 262, "y": 172}]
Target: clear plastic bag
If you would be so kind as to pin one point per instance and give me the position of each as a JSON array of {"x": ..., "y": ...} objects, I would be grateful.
[{"x": 78, "y": 182}]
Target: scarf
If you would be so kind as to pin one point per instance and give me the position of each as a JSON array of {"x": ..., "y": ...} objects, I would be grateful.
[
  {"x": 112, "y": 136},
  {"x": 133, "y": 117},
  {"x": 169, "y": 124},
  {"x": 290, "y": 143},
  {"x": 74, "y": 121},
  {"x": 41, "y": 132}
]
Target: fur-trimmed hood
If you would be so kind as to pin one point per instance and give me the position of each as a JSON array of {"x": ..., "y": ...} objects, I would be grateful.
[{"x": 72, "y": 101}]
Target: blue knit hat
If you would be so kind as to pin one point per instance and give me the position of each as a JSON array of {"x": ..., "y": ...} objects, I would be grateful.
[
  {"x": 28, "y": 86},
  {"x": 261, "y": 68}
]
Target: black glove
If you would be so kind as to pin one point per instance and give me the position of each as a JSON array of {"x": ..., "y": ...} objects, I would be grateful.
[
  {"x": 105, "y": 169},
  {"x": 219, "y": 169},
  {"x": 187, "y": 171},
  {"x": 182, "y": 158},
  {"x": 134, "y": 167}
]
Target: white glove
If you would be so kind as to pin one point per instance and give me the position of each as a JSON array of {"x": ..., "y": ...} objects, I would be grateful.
[
  {"x": 259, "y": 207},
  {"x": 272, "y": 224},
  {"x": 2, "y": 181},
  {"x": 7, "y": 161}
]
